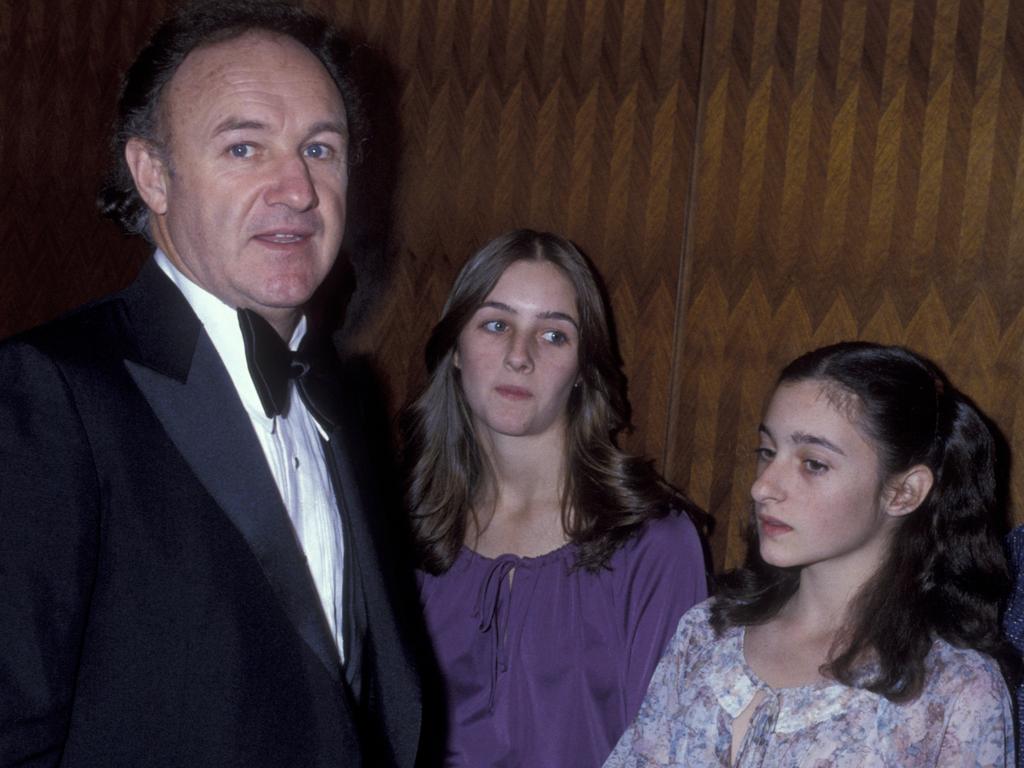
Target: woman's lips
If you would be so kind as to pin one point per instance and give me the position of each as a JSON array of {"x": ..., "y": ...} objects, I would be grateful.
[
  {"x": 514, "y": 393},
  {"x": 772, "y": 526}
]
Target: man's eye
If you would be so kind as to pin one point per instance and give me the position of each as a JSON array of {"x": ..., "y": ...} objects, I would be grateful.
[
  {"x": 241, "y": 150},
  {"x": 318, "y": 151}
]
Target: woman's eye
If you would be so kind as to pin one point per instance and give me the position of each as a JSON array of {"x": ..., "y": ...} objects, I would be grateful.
[
  {"x": 495, "y": 326},
  {"x": 318, "y": 151},
  {"x": 555, "y": 337},
  {"x": 815, "y": 467},
  {"x": 764, "y": 454},
  {"x": 242, "y": 150}
]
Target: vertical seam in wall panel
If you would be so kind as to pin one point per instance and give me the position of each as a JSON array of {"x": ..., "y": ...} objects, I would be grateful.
[{"x": 686, "y": 255}]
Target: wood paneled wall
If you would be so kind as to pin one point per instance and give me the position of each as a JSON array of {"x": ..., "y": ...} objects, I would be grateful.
[
  {"x": 60, "y": 64},
  {"x": 859, "y": 175},
  {"x": 576, "y": 117},
  {"x": 752, "y": 177}
]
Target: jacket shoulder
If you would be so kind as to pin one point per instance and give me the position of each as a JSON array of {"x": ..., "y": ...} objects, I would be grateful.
[{"x": 90, "y": 331}]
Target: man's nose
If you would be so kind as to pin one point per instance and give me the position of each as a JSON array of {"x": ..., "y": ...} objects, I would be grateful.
[
  {"x": 292, "y": 185},
  {"x": 518, "y": 356}
]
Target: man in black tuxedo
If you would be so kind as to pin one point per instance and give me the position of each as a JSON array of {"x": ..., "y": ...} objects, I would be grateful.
[{"x": 191, "y": 571}]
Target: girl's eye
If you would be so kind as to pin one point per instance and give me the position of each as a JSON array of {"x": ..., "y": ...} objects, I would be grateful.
[
  {"x": 242, "y": 150},
  {"x": 555, "y": 337},
  {"x": 815, "y": 467},
  {"x": 764, "y": 453},
  {"x": 495, "y": 326}
]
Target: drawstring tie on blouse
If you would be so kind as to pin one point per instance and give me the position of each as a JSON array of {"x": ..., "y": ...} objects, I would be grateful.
[{"x": 492, "y": 612}]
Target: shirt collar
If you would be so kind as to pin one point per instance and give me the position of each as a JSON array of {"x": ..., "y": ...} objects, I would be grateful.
[
  {"x": 220, "y": 321},
  {"x": 734, "y": 684}
]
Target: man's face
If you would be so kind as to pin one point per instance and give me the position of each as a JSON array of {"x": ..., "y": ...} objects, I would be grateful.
[{"x": 251, "y": 201}]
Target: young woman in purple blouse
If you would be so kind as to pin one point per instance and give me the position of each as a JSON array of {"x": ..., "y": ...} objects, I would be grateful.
[{"x": 554, "y": 567}]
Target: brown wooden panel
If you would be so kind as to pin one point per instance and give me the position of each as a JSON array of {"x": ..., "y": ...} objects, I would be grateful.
[
  {"x": 859, "y": 175},
  {"x": 60, "y": 64},
  {"x": 576, "y": 117}
]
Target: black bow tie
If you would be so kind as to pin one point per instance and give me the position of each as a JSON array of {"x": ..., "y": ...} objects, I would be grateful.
[{"x": 273, "y": 367}]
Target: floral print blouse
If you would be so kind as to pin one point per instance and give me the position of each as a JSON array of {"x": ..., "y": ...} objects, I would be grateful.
[{"x": 961, "y": 718}]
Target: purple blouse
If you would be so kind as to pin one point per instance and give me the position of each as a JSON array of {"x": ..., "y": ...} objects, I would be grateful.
[{"x": 549, "y": 671}]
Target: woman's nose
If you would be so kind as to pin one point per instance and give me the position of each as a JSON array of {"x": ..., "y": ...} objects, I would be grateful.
[
  {"x": 767, "y": 485},
  {"x": 518, "y": 356}
]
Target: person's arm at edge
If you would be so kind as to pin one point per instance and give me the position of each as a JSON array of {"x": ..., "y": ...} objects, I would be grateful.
[{"x": 49, "y": 531}]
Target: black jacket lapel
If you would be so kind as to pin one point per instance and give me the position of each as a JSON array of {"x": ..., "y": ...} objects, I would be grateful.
[
  {"x": 182, "y": 377},
  {"x": 389, "y": 692}
]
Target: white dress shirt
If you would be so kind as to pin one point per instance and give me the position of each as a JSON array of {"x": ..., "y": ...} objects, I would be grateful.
[{"x": 292, "y": 445}]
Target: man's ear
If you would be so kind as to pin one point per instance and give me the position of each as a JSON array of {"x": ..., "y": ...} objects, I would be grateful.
[
  {"x": 149, "y": 170},
  {"x": 906, "y": 491}
]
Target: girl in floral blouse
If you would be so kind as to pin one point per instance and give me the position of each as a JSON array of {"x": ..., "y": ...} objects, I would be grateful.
[{"x": 863, "y": 628}]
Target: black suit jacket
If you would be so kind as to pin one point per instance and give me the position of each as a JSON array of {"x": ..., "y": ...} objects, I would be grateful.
[{"x": 155, "y": 605}]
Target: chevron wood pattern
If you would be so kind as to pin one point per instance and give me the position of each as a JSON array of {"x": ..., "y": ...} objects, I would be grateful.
[
  {"x": 60, "y": 62},
  {"x": 577, "y": 117},
  {"x": 752, "y": 177},
  {"x": 859, "y": 175}
]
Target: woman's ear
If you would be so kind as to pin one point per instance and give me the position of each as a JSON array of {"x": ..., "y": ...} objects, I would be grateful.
[{"x": 906, "y": 491}]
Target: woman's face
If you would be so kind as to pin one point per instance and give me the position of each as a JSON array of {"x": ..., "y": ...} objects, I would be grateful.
[
  {"x": 518, "y": 353},
  {"x": 818, "y": 492}
]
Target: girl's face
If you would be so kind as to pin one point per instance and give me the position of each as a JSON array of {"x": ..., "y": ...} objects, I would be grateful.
[
  {"x": 518, "y": 353},
  {"x": 818, "y": 492}
]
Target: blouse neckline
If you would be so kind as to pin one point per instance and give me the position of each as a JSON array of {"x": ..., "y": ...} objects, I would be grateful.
[
  {"x": 559, "y": 553},
  {"x": 800, "y": 706}
]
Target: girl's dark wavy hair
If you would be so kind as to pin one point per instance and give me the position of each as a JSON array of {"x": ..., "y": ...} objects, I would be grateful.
[
  {"x": 608, "y": 494},
  {"x": 197, "y": 24},
  {"x": 945, "y": 573}
]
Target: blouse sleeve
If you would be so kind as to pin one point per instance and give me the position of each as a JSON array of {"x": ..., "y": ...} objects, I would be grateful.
[
  {"x": 979, "y": 731},
  {"x": 1013, "y": 621},
  {"x": 666, "y": 578},
  {"x": 647, "y": 742}
]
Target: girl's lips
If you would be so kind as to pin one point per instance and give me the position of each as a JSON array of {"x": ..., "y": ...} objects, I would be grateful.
[
  {"x": 514, "y": 393},
  {"x": 771, "y": 526}
]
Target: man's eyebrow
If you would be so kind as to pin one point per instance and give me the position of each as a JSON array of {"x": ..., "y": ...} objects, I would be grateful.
[
  {"x": 339, "y": 127},
  {"x": 552, "y": 315},
  {"x": 238, "y": 124}
]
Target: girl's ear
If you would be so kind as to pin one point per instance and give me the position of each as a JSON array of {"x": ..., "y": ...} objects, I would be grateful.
[{"x": 905, "y": 492}]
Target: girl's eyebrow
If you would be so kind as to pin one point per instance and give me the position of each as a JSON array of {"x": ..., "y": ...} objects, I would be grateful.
[
  {"x": 551, "y": 315},
  {"x": 803, "y": 438}
]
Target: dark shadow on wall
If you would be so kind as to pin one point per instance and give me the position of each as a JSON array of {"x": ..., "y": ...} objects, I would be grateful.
[
  {"x": 343, "y": 306},
  {"x": 362, "y": 274}
]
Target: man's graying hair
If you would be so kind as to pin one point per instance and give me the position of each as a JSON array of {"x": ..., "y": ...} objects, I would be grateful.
[{"x": 139, "y": 108}]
